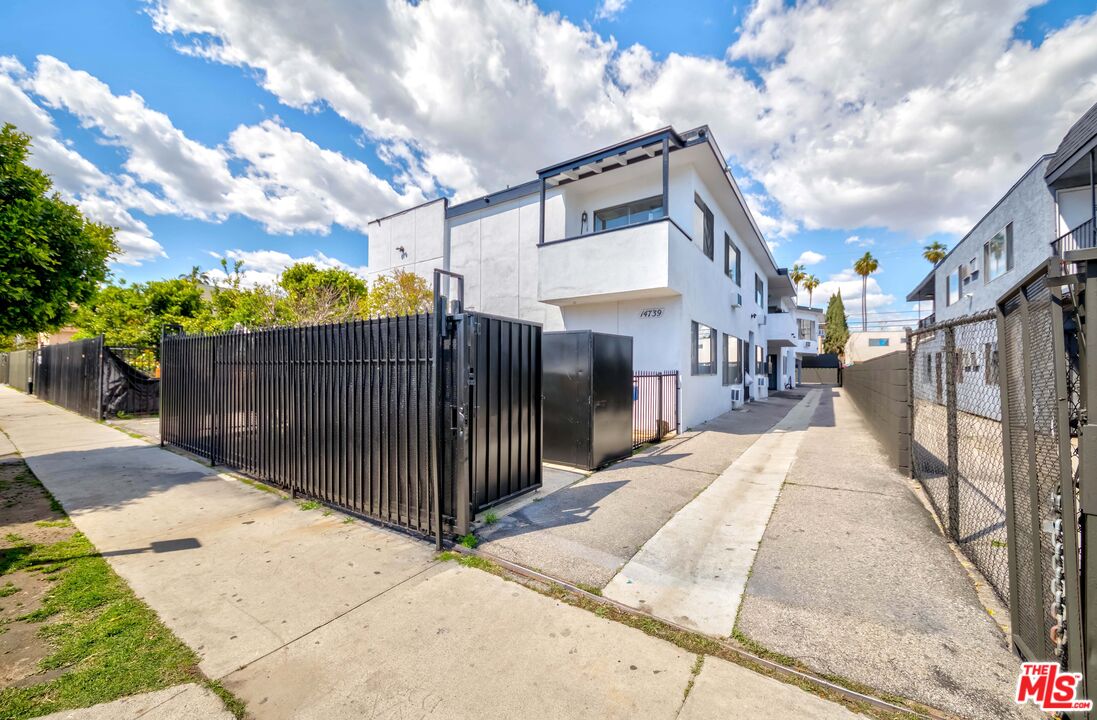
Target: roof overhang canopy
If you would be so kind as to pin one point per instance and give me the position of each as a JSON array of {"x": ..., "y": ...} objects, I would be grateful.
[
  {"x": 1070, "y": 164},
  {"x": 615, "y": 156},
  {"x": 926, "y": 289}
]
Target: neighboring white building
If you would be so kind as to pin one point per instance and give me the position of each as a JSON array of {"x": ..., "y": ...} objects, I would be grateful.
[{"x": 650, "y": 238}]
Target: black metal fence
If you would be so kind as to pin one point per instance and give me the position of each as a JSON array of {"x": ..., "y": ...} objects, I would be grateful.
[
  {"x": 70, "y": 375},
  {"x": 396, "y": 418},
  {"x": 654, "y": 405}
]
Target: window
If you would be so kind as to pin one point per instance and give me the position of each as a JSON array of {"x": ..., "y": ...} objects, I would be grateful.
[
  {"x": 998, "y": 254},
  {"x": 952, "y": 283},
  {"x": 733, "y": 263},
  {"x": 631, "y": 213},
  {"x": 784, "y": 364},
  {"x": 703, "y": 224},
  {"x": 704, "y": 350},
  {"x": 759, "y": 291},
  {"x": 878, "y": 342},
  {"x": 759, "y": 358},
  {"x": 805, "y": 329},
  {"x": 990, "y": 355},
  {"x": 733, "y": 360}
]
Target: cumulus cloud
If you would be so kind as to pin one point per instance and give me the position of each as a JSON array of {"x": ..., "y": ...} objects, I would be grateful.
[
  {"x": 848, "y": 283},
  {"x": 918, "y": 120},
  {"x": 860, "y": 241},
  {"x": 810, "y": 257},
  {"x": 262, "y": 267},
  {"x": 100, "y": 197},
  {"x": 610, "y": 9}
]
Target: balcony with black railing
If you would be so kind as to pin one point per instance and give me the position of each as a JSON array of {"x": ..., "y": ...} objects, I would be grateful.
[{"x": 1080, "y": 238}]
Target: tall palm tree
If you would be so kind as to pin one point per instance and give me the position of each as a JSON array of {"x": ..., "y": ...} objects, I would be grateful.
[
  {"x": 797, "y": 275},
  {"x": 865, "y": 266},
  {"x": 935, "y": 252},
  {"x": 810, "y": 283}
]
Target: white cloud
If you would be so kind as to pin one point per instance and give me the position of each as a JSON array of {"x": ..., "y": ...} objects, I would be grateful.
[
  {"x": 100, "y": 197},
  {"x": 918, "y": 120},
  {"x": 860, "y": 241},
  {"x": 810, "y": 257},
  {"x": 610, "y": 9},
  {"x": 262, "y": 267},
  {"x": 849, "y": 284}
]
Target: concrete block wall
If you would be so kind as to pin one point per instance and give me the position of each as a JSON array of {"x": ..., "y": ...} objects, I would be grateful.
[{"x": 878, "y": 388}]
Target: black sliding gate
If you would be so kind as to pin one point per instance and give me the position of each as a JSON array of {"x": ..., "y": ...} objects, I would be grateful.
[{"x": 404, "y": 419}]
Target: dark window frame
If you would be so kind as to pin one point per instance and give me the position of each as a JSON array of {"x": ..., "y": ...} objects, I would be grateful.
[
  {"x": 733, "y": 370},
  {"x": 708, "y": 232},
  {"x": 735, "y": 272},
  {"x": 697, "y": 367},
  {"x": 759, "y": 291},
  {"x": 1007, "y": 239}
]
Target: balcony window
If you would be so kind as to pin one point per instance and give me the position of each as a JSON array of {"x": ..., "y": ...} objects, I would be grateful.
[
  {"x": 998, "y": 253},
  {"x": 632, "y": 213},
  {"x": 704, "y": 350},
  {"x": 733, "y": 262},
  {"x": 733, "y": 360},
  {"x": 759, "y": 291},
  {"x": 805, "y": 329},
  {"x": 703, "y": 224}
]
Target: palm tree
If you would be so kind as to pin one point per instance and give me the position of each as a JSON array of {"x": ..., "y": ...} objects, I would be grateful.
[
  {"x": 810, "y": 283},
  {"x": 935, "y": 252},
  {"x": 797, "y": 275},
  {"x": 865, "y": 266}
]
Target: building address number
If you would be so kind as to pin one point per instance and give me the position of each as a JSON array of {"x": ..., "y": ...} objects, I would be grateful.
[{"x": 651, "y": 313}]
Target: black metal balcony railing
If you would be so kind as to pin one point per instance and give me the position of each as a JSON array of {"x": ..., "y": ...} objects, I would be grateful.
[
  {"x": 927, "y": 321},
  {"x": 1080, "y": 238}
]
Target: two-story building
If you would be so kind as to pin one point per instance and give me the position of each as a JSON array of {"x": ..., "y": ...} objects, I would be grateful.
[
  {"x": 650, "y": 238},
  {"x": 1048, "y": 211}
]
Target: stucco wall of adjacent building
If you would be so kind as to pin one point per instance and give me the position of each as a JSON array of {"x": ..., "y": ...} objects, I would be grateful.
[
  {"x": 859, "y": 347},
  {"x": 1030, "y": 206}
]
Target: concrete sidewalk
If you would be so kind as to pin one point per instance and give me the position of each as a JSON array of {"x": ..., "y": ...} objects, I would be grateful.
[
  {"x": 303, "y": 615},
  {"x": 854, "y": 579},
  {"x": 588, "y": 531}
]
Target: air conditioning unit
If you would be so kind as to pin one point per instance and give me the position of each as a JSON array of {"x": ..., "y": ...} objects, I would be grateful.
[
  {"x": 737, "y": 300},
  {"x": 735, "y": 397}
]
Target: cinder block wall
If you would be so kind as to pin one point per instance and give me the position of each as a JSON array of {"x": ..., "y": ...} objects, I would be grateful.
[
  {"x": 816, "y": 376},
  {"x": 878, "y": 388}
]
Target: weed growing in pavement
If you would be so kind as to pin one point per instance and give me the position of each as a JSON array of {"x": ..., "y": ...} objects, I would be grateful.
[
  {"x": 491, "y": 517},
  {"x": 308, "y": 504},
  {"x": 470, "y": 541}
]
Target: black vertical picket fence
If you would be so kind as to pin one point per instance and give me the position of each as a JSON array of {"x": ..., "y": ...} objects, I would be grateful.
[
  {"x": 354, "y": 415},
  {"x": 70, "y": 375}
]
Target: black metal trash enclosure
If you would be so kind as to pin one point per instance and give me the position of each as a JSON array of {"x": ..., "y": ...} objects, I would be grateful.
[{"x": 390, "y": 418}]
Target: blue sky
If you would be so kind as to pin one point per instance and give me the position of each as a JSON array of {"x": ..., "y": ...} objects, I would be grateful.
[{"x": 269, "y": 131}]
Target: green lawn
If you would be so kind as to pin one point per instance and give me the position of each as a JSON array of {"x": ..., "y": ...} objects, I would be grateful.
[{"x": 104, "y": 642}]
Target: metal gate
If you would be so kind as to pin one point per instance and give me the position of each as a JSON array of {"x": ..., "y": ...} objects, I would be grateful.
[
  {"x": 415, "y": 421},
  {"x": 1038, "y": 447},
  {"x": 70, "y": 375}
]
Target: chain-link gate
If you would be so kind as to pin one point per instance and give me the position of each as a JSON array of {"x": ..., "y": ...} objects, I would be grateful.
[{"x": 956, "y": 437}]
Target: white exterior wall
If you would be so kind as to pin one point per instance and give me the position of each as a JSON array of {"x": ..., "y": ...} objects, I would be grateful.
[
  {"x": 859, "y": 350},
  {"x": 420, "y": 231},
  {"x": 497, "y": 251}
]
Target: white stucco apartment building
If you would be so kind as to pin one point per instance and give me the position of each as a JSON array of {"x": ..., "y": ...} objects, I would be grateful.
[{"x": 650, "y": 238}]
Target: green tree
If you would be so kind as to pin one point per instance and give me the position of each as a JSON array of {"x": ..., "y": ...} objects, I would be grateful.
[
  {"x": 836, "y": 334},
  {"x": 865, "y": 266},
  {"x": 797, "y": 275},
  {"x": 51, "y": 258},
  {"x": 401, "y": 293},
  {"x": 328, "y": 295},
  {"x": 935, "y": 252},
  {"x": 135, "y": 314}
]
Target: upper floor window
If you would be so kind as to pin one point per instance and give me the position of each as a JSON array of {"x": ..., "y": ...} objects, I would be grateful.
[
  {"x": 998, "y": 253},
  {"x": 631, "y": 213},
  {"x": 733, "y": 262},
  {"x": 703, "y": 224},
  {"x": 704, "y": 350},
  {"x": 759, "y": 291},
  {"x": 805, "y": 328},
  {"x": 952, "y": 285}
]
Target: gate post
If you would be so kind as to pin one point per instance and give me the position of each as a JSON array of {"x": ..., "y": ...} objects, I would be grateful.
[
  {"x": 659, "y": 421},
  {"x": 952, "y": 435}
]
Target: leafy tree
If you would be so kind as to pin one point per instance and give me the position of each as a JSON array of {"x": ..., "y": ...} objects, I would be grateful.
[
  {"x": 328, "y": 295},
  {"x": 810, "y": 283},
  {"x": 135, "y": 314},
  {"x": 836, "y": 334},
  {"x": 402, "y": 293},
  {"x": 51, "y": 258},
  {"x": 865, "y": 266},
  {"x": 935, "y": 252}
]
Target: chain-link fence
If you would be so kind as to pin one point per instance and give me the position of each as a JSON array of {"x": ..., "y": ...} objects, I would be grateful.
[{"x": 956, "y": 437}]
